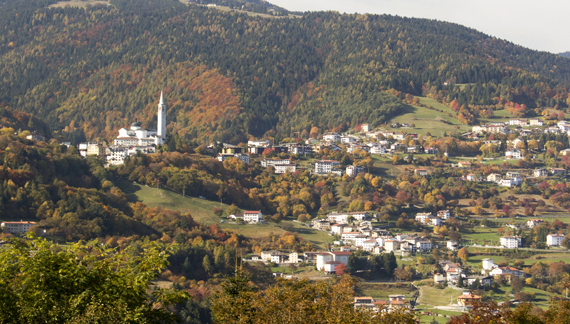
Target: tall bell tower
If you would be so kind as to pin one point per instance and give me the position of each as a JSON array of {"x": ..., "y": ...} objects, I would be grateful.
[{"x": 161, "y": 125}]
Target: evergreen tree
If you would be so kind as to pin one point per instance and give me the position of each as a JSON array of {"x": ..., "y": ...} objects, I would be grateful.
[
  {"x": 460, "y": 282},
  {"x": 390, "y": 263}
]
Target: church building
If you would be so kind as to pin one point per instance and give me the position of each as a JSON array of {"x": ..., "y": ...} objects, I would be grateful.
[{"x": 138, "y": 136}]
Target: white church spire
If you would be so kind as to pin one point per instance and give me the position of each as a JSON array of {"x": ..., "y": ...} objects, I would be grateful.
[{"x": 161, "y": 125}]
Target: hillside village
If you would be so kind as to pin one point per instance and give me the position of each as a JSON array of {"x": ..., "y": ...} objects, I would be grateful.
[{"x": 358, "y": 236}]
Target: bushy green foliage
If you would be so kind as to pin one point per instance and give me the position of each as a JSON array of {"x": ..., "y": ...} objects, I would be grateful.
[{"x": 83, "y": 283}]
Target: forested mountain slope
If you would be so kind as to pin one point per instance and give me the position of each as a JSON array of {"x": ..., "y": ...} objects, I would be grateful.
[{"x": 89, "y": 71}]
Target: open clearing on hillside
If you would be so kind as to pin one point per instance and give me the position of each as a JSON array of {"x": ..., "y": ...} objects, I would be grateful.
[
  {"x": 385, "y": 168},
  {"x": 249, "y": 13},
  {"x": 79, "y": 3},
  {"x": 427, "y": 120},
  {"x": 201, "y": 211}
]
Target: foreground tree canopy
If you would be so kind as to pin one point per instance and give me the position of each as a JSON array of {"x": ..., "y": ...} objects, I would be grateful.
[
  {"x": 41, "y": 282},
  {"x": 297, "y": 301}
]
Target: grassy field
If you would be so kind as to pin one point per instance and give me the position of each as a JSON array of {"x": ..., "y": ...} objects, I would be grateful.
[
  {"x": 79, "y": 3},
  {"x": 201, "y": 211},
  {"x": 482, "y": 235},
  {"x": 385, "y": 167},
  {"x": 437, "y": 297},
  {"x": 381, "y": 290},
  {"x": 427, "y": 120},
  {"x": 433, "y": 103},
  {"x": 429, "y": 318}
]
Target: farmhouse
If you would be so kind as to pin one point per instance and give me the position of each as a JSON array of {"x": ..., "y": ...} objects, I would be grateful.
[{"x": 252, "y": 216}]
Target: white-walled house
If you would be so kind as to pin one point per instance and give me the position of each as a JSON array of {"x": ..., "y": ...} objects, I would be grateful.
[
  {"x": 494, "y": 177},
  {"x": 331, "y": 137},
  {"x": 326, "y": 166},
  {"x": 325, "y": 257},
  {"x": 343, "y": 217},
  {"x": 511, "y": 242},
  {"x": 252, "y": 216},
  {"x": 507, "y": 270},
  {"x": 444, "y": 214},
  {"x": 488, "y": 264},
  {"x": 423, "y": 217},
  {"x": 513, "y": 154},
  {"x": 434, "y": 221},
  {"x": 483, "y": 280},
  {"x": 554, "y": 239},
  {"x": 353, "y": 170},
  {"x": 17, "y": 227},
  {"x": 531, "y": 223},
  {"x": 424, "y": 246},
  {"x": 369, "y": 245},
  {"x": 540, "y": 173}
]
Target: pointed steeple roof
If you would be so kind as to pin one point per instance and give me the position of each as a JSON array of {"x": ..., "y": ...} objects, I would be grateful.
[{"x": 161, "y": 99}]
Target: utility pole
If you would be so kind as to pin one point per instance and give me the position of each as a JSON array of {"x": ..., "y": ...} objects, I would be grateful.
[{"x": 183, "y": 191}]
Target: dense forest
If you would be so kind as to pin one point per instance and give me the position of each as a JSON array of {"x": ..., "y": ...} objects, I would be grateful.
[{"x": 89, "y": 71}]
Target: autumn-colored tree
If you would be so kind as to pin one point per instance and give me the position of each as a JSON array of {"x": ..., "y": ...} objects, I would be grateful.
[
  {"x": 296, "y": 301},
  {"x": 463, "y": 254},
  {"x": 233, "y": 210},
  {"x": 341, "y": 269}
]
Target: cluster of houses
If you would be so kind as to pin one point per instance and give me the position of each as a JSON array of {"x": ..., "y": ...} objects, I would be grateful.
[
  {"x": 113, "y": 154},
  {"x": 372, "y": 239},
  {"x": 490, "y": 271},
  {"x": 326, "y": 262},
  {"x": 380, "y": 142},
  {"x": 510, "y": 179},
  {"x": 503, "y": 127},
  {"x": 382, "y": 305},
  {"x": 494, "y": 270},
  {"x": 452, "y": 273},
  {"x": 431, "y": 220}
]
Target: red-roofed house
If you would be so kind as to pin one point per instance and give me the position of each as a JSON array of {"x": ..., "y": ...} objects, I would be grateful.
[
  {"x": 467, "y": 299},
  {"x": 252, "y": 216},
  {"x": 17, "y": 227},
  {"x": 507, "y": 271}
]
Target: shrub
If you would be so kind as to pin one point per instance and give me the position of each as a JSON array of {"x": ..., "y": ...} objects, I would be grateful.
[{"x": 218, "y": 211}]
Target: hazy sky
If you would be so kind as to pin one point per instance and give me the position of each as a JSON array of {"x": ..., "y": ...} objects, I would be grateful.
[{"x": 541, "y": 25}]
